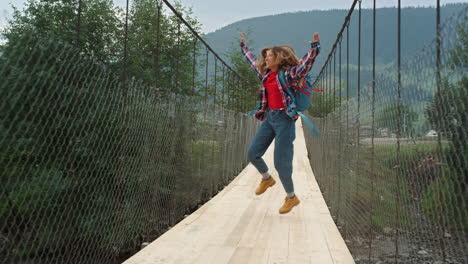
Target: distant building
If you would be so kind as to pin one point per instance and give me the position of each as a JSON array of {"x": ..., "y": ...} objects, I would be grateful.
[
  {"x": 384, "y": 132},
  {"x": 366, "y": 131},
  {"x": 431, "y": 133}
]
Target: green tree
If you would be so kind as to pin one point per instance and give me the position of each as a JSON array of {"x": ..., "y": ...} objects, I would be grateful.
[
  {"x": 321, "y": 105},
  {"x": 70, "y": 130},
  {"x": 99, "y": 31},
  {"x": 389, "y": 117},
  {"x": 56, "y": 149},
  {"x": 161, "y": 48},
  {"x": 325, "y": 102},
  {"x": 459, "y": 54},
  {"x": 447, "y": 113}
]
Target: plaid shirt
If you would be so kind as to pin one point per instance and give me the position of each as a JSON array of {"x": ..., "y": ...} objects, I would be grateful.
[{"x": 292, "y": 75}]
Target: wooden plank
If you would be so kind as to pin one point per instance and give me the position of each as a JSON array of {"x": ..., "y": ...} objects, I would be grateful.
[
  {"x": 320, "y": 257},
  {"x": 215, "y": 254},
  {"x": 241, "y": 255},
  {"x": 258, "y": 255},
  {"x": 278, "y": 246},
  {"x": 236, "y": 234},
  {"x": 299, "y": 246}
]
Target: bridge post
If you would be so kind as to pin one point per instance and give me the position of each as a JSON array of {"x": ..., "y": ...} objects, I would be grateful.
[
  {"x": 194, "y": 65},
  {"x": 439, "y": 111},
  {"x": 178, "y": 88},
  {"x": 358, "y": 124},
  {"x": 158, "y": 45},
  {"x": 340, "y": 154},
  {"x": 78, "y": 24},
  {"x": 345, "y": 226},
  {"x": 371, "y": 233},
  {"x": 206, "y": 85},
  {"x": 398, "y": 154}
]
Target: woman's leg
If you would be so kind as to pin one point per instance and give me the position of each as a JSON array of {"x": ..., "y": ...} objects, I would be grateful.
[
  {"x": 284, "y": 150},
  {"x": 259, "y": 145}
]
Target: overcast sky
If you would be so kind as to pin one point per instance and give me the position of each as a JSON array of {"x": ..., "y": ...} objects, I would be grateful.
[{"x": 214, "y": 14}]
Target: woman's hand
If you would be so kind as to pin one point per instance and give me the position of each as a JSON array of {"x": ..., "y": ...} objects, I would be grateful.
[
  {"x": 242, "y": 38},
  {"x": 316, "y": 42},
  {"x": 316, "y": 38}
]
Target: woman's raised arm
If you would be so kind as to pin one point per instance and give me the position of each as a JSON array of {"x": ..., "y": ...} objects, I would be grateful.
[
  {"x": 249, "y": 57},
  {"x": 305, "y": 64}
]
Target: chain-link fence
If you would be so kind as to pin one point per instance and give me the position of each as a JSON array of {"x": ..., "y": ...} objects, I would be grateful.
[
  {"x": 114, "y": 125},
  {"x": 392, "y": 158}
]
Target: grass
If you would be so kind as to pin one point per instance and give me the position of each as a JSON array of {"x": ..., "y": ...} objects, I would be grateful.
[{"x": 375, "y": 189}]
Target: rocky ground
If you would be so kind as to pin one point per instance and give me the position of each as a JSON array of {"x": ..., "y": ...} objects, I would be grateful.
[{"x": 383, "y": 251}]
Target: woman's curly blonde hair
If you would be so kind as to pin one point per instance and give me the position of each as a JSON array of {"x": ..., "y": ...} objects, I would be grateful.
[{"x": 285, "y": 57}]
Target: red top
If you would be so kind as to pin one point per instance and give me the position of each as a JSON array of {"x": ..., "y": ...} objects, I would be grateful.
[{"x": 274, "y": 98}]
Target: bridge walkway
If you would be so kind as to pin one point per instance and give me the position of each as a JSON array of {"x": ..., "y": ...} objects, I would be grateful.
[{"x": 237, "y": 226}]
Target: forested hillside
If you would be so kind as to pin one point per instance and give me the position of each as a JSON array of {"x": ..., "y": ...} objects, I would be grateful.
[{"x": 297, "y": 29}]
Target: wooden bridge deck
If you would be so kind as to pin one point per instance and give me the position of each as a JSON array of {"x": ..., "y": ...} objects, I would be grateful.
[{"x": 236, "y": 226}]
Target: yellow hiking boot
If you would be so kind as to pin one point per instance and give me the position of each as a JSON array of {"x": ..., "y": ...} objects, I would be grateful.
[
  {"x": 289, "y": 203},
  {"x": 264, "y": 184}
]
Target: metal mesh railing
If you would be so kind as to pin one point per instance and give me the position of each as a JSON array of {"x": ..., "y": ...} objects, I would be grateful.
[
  {"x": 392, "y": 158},
  {"x": 114, "y": 124}
]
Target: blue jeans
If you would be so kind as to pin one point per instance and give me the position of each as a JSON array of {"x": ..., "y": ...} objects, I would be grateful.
[{"x": 279, "y": 126}]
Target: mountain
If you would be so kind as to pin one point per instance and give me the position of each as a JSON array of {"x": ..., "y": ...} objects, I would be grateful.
[{"x": 418, "y": 27}]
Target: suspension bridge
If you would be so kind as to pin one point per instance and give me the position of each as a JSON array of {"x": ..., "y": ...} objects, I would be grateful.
[{"x": 123, "y": 139}]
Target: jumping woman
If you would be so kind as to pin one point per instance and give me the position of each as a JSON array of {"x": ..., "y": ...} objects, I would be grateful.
[{"x": 273, "y": 111}]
